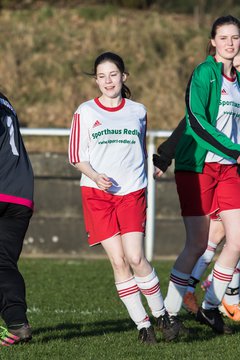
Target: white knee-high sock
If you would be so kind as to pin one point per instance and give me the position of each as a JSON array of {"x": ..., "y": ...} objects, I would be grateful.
[
  {"x": 214, "y": 294},
  {"x": 150, "y": 288},
  {"x": 201, "y": 265},
  {"x": 176, "y": 290},
  {"x": 231, "y": 296},
  {"x": 129, "y": 293}
]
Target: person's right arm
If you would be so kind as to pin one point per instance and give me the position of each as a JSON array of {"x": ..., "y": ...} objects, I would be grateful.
[
  {"x": 78, "y": 152},
  {"x": 101, "y": 180}
]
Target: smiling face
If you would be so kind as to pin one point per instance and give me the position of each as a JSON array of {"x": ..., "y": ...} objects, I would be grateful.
[
  {"x": 226, "y": 42},
  {"x": 109, "y": 79}
]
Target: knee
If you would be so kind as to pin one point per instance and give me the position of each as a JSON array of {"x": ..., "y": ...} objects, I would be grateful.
[
  {"x": 136, "y": 261},
  {"x": 119, "y": 264}
]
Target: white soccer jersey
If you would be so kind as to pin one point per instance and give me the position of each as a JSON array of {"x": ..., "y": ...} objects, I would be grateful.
[
  {"x": 228, "y": 119},
  {"x": 112, "y": 140}
]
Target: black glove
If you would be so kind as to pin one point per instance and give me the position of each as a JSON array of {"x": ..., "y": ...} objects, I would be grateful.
[{"x": 161, "y": 162}]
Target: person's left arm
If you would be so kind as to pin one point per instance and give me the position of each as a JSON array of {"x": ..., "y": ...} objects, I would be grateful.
[{"x": 166, "y": 151}]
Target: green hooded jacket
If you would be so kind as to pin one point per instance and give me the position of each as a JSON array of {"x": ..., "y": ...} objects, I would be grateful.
[{"x": 201, "y": 135}]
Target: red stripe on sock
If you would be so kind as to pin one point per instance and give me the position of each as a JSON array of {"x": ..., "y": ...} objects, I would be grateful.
[
  {"x": 221, "y": 276},
  {"x": 152, "y": 290},
  {"x": 210, "y": 248},
  {"x": 129, "y": 291}
]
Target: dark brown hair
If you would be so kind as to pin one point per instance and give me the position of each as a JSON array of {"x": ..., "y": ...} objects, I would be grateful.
[
  {"x": 223, "y": 20},
  {"x": 118, "y": 61}
]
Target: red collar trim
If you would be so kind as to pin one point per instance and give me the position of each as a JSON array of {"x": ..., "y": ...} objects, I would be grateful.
[
  {"x": 119, "y": 107},
  {"x": 232, "y": 79}
]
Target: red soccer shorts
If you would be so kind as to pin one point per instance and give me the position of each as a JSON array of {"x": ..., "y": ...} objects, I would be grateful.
[
  {"x": 107, "y": 215},
  {"x": 216, "y": 189}
]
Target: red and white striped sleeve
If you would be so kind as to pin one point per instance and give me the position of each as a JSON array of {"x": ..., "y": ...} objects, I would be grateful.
[{"x": 78, "y": 141}]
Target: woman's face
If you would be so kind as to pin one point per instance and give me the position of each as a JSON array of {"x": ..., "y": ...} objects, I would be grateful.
[
  {"x": 226, "y": 42},
  {"x": 109, "y": 79}
]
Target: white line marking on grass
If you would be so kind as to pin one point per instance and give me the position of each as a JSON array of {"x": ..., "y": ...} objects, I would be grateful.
[{"x": 85, "y": 312}]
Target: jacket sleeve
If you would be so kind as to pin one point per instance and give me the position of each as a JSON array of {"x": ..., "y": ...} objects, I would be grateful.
[
  {"x": 166, "y": 151},
  {"x": 207, "y": 135},
  {"x": 168, "y": 147}
]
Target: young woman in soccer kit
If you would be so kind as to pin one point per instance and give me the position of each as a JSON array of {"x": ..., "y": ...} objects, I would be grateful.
[
  {"x": 107, "y": 144},
  {"x": 206, "y": 171},
  {"x": 16, "y": 207},
  {"x": 230, "y": 303}
]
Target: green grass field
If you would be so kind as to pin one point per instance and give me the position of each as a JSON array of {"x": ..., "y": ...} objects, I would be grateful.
[{"x": 76, "y": 314}]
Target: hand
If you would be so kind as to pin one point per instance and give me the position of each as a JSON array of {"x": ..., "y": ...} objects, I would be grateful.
[
  {"x": 103, "y": 182},
  {"x": 238, "y": 169},
  {"x": 157, "y": 173},
  {"x": 238, "y": 165},
  {"x": 161, "y": 162}
]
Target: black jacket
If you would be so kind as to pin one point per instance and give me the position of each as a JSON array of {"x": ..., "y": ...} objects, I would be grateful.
[{"x": 16, "y": 174}]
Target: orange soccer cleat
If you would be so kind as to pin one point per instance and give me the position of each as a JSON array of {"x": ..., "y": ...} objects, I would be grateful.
[{"x": 231, "y": 311}]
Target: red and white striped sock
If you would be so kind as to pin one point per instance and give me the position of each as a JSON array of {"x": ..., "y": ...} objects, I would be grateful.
[
  {"x": 221, "y": 278},
  {"x": 129, "y": 293},
  {"x": 176, "y": 289},
  {"x": 150, "y": 288}
]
